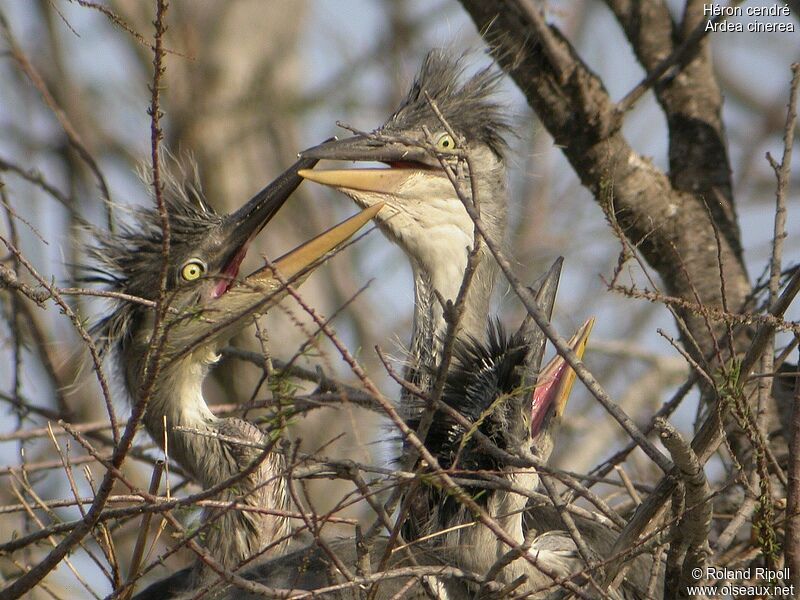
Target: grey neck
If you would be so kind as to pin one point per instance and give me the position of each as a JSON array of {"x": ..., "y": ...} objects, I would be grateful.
[
  {"x": 231, "y": 535},
  {"x": 443, "y": 270},
  {"x": 478, "y": 547},
  {"x": 430, "y": 327}
]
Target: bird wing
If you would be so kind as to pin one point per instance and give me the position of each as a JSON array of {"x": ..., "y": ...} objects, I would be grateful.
[
  {"x": 311, "y": 568},
  {"x": 552, "y": 538}
]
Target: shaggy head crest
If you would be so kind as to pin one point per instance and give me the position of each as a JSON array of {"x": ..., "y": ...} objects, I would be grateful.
[
  {"x": 467, "y": 105},
  {"x": 130, "y": 260}
]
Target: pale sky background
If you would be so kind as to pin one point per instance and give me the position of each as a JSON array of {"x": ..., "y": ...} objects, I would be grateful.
[{"x": 336, "y": 33}]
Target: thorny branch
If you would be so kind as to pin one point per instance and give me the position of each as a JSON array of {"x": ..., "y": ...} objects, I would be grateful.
[
  {"x": 32, "y": 577},
  {"x": 671, "y": 58}
]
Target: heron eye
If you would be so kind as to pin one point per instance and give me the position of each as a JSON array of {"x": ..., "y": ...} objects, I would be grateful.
[
  {"x": 446, "y": 142},
  {"x": 193, "y": 269}
]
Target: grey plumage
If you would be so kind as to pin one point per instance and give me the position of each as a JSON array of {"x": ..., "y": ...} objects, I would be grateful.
[
  {"x": 201, "y": 314},
  {"x": 483, "y": 386},
  {"x": 426, "y": 218},
  {"x": 311, "y": 568},
  {"x": 206, "y": 302},
  {"x": 491, "y": 379},
  {"x": 423, "y": 214},
  {"x": 486, "y": 385},
  {"x": 468, "y": 104},
  {"x": 129, "y": 260}
]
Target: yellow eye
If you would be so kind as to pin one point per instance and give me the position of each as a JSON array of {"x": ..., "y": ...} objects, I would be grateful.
[
  {"x": 445, "y": 142},
  {"x": 193, "y": 269}
]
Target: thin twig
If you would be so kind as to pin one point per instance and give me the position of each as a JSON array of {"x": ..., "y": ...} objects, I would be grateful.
[
  {"x": 676, "y": 59},
  {"x": 26, "y": 582},
  {"x": 446, "y": 481},
  {"x": 72, "y": 134},
  {"x": 144, "y": 528}
]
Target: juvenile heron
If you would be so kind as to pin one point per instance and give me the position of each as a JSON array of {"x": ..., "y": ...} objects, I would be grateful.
[
  {"x": 445, "y": 116},
  {"x": 207, "y": 302},
  {"x": 486, "y": 387},
  {"x": 422, "y": 212}
]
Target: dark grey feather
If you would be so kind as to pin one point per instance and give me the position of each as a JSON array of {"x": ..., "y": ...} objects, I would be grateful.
[{"x": 467, "y": 104}]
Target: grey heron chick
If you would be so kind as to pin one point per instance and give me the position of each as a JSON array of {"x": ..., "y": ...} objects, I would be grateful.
[
  {"x": 207, "y": 302},
  {"x": 424, "y": 215},
  {"x": 422, "y": 212},
  {"x": 487, "y": 386}
]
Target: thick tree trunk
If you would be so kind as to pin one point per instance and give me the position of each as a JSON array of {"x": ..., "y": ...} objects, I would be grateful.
[{"x": 674, "y": 219}]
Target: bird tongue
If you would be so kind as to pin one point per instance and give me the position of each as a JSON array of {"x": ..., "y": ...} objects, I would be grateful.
[
  {"x": 230, "y": 272},
  {"x": 298, "y": 259},
  {"x": 556, "y": 380}
]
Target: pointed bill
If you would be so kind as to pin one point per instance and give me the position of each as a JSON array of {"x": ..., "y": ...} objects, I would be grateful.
[
  {"x": 367, "y": 148},
  {"x": 556, "y": 381},
  {"x": 302, "y": 260},
  {"x": 244, "y": 224},
  {"x": 546, "y": 299},
  {"x": 380, "y": 181},
  {"x": 255, "y": 294}
]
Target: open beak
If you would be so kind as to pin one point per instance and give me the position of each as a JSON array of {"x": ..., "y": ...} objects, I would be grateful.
[
  {"x": 535, "y": 338},
  {"x": 296, "y": 265},
  {"x": 235, "y": 299},
  {"x": 256, "y": 293},
  {"x": 363, "y": 148},
  {"x": 377, "y": 180},
  {"x": 241, "y": 226},
  {"x": 404, "y": 163},
  {"x": 556, "y": 380}
]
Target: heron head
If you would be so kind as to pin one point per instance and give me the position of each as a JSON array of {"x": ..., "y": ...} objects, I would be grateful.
[
  {"x": 486, "y": 386},
  {"x": 206, "y": 298},
  {"x": 422, "y": 210},
  {"x": 500, "y": 386}
]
